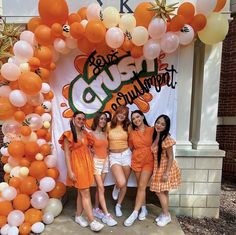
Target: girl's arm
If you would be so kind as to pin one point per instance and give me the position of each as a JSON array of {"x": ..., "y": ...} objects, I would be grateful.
[
  {"x": 67, "y": 157},
  {"x": 169, "y": 153}
]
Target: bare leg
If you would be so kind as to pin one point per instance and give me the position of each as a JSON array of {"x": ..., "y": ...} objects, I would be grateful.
[
  {"x": 96, "y": 203},
  {"x": 101, "y": 190},
  {"x": 141, "y": 193},
  {"x": 164, "y": 200},
  {"x": 86, "y": 202},
  {"x": 120, "y": 177},
  {"x": 79, "y": 206}
]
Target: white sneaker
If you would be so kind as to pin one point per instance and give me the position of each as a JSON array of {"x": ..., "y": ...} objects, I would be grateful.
[
  {"x": 158, "y": 217},
  {"x": 142, "y": 215},
  {"x": 107, "y": 219},
  {"x": 81, "y": 221},
  {"x": 130, "y": 220},
  {"x": 164, "y": 220},
  {"x": 96, "y": 226},
  {"x": 115, "y": 192},
  {"x": 98, "y": 213},
  {"x": 118, "y": 211}
]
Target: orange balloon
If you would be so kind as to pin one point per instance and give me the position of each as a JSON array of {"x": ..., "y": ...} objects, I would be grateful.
[
  {"x": 187, "y": 10},
  {"x": 95, "y": 31},
  {"x": 52, "y": 11},
  {"x": 199, "y": 22},
  {"x": 6, "y": 177},
  {"x": 56, "y": 30},
  {"x": 25, "y": 130},
  {"x": 27, "y": 109},
  {"x": 33, "y": 216},
  {"x": 25, "y": 228},
  {"x": 19, "y": 116},
  {"x": 48, "y": 137},
  {"x": 15, "y": 182},
  {"x": 4, "y": 159},
  {"x": 219, "y": 5},
  {"x": 21, "y": 202},
  {"x": 6, "y": 108},
  {"x": 102, "y": 48},
  {"x": 39, "y": 110},
  {"x": 5, "y": 208},
  {"x": 31, "y": 149},
  {"x": 43, "y": 35},
  {"x": 53, "y": 172},
  {"x": 38, "y": 169},
  {"x": 136, "y": 51},
  {"x": 77, "y": 30},
  {"x": 43, "y": 73},
  {"x": 127, "y": 45},
  {"x": 177, "y": 23},
  {"x": 58, "y": 191},
  {"x": 41, "y": 133},
  {"x": 142, "y": 15},
  {"x": 82, "y": 13},
  {"x": 14, "y": 85},
  {"x": 45, "y": 149},
  {"x": 30, "y": 83},
  {"x": 44, "y": 54},
  {"x": 52, "y": 66},
  {"x": 16, "y": 149},
  {"x": 29, "y": 186},
  {"x": 24, "y": 162},
  {"x": 85, "y": 46},
  {"x": 34, "y": 23},
  {"x": 74, "y": 17},
  {"x": 3, "y": 220},
  {"x": 48, "y": 96},
  {"x": 34, "y": 62}
]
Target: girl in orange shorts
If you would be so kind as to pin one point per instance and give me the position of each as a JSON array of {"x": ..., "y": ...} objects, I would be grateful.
[
  {"x": 80, "y": 169},
  {"x": 100, "y": 158},
  {"x": 140, "y": 141},
  {"x": 166, "y": 173}
]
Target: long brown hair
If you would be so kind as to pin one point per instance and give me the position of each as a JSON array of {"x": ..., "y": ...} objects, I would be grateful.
[
  {"x": 96, "y": 121},
  {"x": 72, "y": 126},
  {"x": 126, "y": 122}
]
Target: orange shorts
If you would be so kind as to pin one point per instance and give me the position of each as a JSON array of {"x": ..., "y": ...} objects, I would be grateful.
[{"x": 142, "y": 160}]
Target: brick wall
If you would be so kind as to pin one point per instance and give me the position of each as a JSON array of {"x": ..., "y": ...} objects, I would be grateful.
[{"x": 226, "y": 134}]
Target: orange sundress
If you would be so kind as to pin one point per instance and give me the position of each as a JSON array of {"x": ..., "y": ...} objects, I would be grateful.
[
  {"x": 141, "y": 142},
  {"x": 81, "y": 160},
  {"x": 157, "y": 185}
]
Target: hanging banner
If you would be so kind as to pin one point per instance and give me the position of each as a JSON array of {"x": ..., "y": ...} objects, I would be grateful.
[{"x": 104, "y": 82}]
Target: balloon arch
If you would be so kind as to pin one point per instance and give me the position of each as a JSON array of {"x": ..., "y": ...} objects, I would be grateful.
[{"x": 30, "y": 195}]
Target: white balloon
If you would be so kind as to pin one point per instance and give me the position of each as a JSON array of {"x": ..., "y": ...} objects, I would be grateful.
[
  {"x": 114, "y": 37},
  {"x": 47, "y": 184},
  {"x": 84, "y": 23},
  {"x": 48, "y": 218},
  {"x": 157, "y": 28},
  {"x": 93, "y": 11},
  {"x": 186, "y": 35},
  {"x": 54, "y": 206},
  {"x": 151, "y": 49},
  {"x": 9, "y": 193},
  {"x": 3, "y": 185},
  {"x": 51, "y": 161},
  {"x": 205, "y": 7},
  {"x": 59, "y": 44},
  {"x": 10, "y": 71},
  {"x": 46, "y": 117},
  {"x": 45, "y": 88},
  {"x": 39, "y": 199},
  {"x": 13, "y": 231},
  {"x": 23, "y": 50},
  {"x": 47, "y": 106},
  {"x": 15, "y": 218},
  {"x": 29, "y": 37},
  {"x": 4, "y": 151},
  {"x": 38, "y": 227},
  {"x": 35, "y": 100},
  {"x": 41, "y": 141},
  {"x": 5, "y": 91},
  {"x": 15, "y": 171},
  {"x": 18, "y": 98},
  {"x": 4, "y": 229}
]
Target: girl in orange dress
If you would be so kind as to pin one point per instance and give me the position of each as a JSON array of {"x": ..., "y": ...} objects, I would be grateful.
[
  {"x": 100, "y": 158},
  {"x": 166, "y": 173},
  {"x": 80, "y": 169},
  {"x": 140, "y": 141}
]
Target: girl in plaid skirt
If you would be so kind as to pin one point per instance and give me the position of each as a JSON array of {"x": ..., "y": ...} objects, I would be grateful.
[{"x": 166, "y": 173}]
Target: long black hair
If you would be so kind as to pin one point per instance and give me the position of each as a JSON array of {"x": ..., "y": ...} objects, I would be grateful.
[
  {"x": 163, "y": 135},
  {"x": 72, "y": 126},
  {"x": 96, "y": 121},
  {"x": 141, "y": 114}
]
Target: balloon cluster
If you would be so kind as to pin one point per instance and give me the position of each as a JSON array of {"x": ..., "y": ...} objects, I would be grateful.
[{"x": 29, "y": 197}]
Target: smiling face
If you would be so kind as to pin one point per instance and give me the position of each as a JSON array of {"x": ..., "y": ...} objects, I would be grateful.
[
  {"x": 79, "y": 120},
  {"x": 160, "y": 125},
  {"x": 121, "y": 116},
  {"x": 137, "y": 119},
  {"x": 102, "y": 121}
]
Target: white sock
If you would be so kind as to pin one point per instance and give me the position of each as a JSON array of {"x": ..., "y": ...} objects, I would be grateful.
[
  {"x": 143, "y": 208},
  {"x": 119, "y": 205},
  {"x": 135, "y": 213}
]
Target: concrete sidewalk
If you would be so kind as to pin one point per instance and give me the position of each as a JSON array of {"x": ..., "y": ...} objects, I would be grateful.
[{"x": 64, "y": 224}]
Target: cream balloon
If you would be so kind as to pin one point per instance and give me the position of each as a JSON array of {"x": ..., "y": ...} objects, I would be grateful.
[
  {"x": 24, "y": 67},
  {"x": 127, "y": 23},
  {"x": 39, "y": 156},
  {"x": 111, "y": 17},
  {"x": 215, "y": 30},
  {"x": 139, "y": 36},
  {"x": 24, "y": 171},
  {"x": 84, "y": 23},
  {"x": 15, "y": 171},
  {"x": 7, "y": 168},
  {"x": 54, "y": 206}
]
